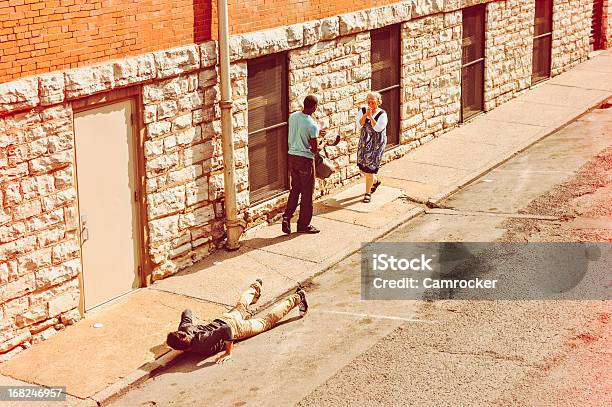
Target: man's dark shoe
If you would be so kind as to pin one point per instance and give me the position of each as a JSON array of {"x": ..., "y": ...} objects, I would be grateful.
[
  {"x": 303, "y": 306},
  {"x": 308, "y": 229},
  {"x": 286, "y": 226}
]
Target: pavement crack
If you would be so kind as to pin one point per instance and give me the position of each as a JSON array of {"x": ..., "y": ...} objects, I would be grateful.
[
  {"x": 276, "y": 270},
  {"x": 285, "y": 255},
  {"x": 516, "y": 122},
  {"x": 376, "y": 316},
  {"x": 433, "y": 205},
  {"x": 529, "y": 172},
  {"x": 188, "y": 296},
  {"x": 488, "y": 354},
  {"x": 580, "y": 87},
  {"x": 458, "y": 212},
  {"x": 439, "y": 165},
  {"x": 414, "y": 199}
]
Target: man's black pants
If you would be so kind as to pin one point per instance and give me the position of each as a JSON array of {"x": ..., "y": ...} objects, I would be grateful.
[{"x": 301, "y": 170}]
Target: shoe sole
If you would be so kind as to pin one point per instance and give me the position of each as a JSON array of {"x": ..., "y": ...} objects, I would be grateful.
[
  {"x": 257, "y": 295},
  {"x": 302, "y": 313},
  {"x": 305, "y": 302}
]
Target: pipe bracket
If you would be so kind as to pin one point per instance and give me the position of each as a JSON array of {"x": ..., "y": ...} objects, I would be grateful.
[{"x": 226, "y": 104}]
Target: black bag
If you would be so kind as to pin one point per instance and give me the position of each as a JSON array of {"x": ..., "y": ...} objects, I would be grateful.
[{"x": 324, "y": 167}]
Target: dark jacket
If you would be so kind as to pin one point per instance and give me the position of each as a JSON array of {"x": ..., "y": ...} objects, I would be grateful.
[{"x": 206, "y": 339}]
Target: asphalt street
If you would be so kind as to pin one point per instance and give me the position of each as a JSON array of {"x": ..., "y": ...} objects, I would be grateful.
[{"x": 446, "y": 352}]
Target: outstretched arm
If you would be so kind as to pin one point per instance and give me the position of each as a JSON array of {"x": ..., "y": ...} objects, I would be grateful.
[
  {"x": 229, "y": 347},
  {"x": 314, "y": 146}
]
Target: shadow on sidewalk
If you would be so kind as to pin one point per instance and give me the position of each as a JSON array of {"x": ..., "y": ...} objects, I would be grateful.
[{"x": 247, "y": 245}]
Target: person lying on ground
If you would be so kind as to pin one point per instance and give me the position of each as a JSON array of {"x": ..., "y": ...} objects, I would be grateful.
[{"x": 232, "y": 326}]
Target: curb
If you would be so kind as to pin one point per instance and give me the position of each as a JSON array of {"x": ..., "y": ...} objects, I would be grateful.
[
  {"x": 148, "y": 370},
  {"x": 140, "y": 375},
  {"x": 332, "y": 261},
  {"x": 436, "y": 199}
]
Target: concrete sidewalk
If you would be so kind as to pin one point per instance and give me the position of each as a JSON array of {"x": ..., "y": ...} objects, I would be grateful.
[{"x": 98, "y": 363}]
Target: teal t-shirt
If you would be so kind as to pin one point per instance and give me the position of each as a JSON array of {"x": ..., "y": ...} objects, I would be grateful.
[{"x": 302, "y": 128}]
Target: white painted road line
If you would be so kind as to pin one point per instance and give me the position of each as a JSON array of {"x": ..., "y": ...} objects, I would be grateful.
[{"x": 356, "y": 314}]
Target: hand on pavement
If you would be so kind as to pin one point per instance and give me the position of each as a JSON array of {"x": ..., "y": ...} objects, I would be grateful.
[{"x": 223, "y": 358}]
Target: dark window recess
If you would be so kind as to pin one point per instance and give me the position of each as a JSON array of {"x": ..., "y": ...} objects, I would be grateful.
[
  {"x": 596, "y": 38},
  {"x": 472, "y": 62},
  {"x": 267, "y": 100},
  {"x": 385, "y": 60},
  {"x": 542, "y": 40}
]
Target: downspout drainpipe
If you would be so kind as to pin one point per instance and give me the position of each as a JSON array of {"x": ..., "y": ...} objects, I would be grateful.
[{"x": 234, "y": 226}]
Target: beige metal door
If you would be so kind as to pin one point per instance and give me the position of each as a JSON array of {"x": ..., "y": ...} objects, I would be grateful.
[{"x": 106, "y": 180}]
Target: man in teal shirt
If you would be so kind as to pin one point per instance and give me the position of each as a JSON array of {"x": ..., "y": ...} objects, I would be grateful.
[{"x": 303, "y": 132}]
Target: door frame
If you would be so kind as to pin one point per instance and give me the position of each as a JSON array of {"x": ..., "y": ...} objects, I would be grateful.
[{"x": 132, "y": 94}]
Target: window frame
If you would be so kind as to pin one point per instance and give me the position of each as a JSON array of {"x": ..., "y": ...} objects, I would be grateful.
[
  {"x": 270, "y": 191},
  {"x": 393, "y": 137},
  {"x": 541, "y": 37},
  {"x": 481, "y": 8},
  {"x": 598, "y": 32}
]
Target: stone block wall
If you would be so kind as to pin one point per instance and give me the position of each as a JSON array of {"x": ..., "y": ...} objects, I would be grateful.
[
  {"x": 431, "y": 76},
  {"x": 179, "y": 91},
  {"x": 184, "y": 165},
  {"x": 39, "y": 242},
  {"x": 181, "y": 150},
  {"x": 338, "y": 72},
  {"x": 508, "y": 50},
  {"x": 39, "y": 246},
  {"x": 571, "y": 30}
]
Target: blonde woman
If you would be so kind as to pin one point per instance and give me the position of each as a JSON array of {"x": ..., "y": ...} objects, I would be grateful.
[{"x": 372, "y": 141}]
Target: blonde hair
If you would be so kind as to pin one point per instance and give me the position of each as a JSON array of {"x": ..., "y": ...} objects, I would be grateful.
[{"x": 376, "y": 96}]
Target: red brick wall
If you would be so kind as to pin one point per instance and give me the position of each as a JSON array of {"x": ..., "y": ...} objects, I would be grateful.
[
  {"x": 41, "y": 36},
  {"x": 255, "y": 15}
]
